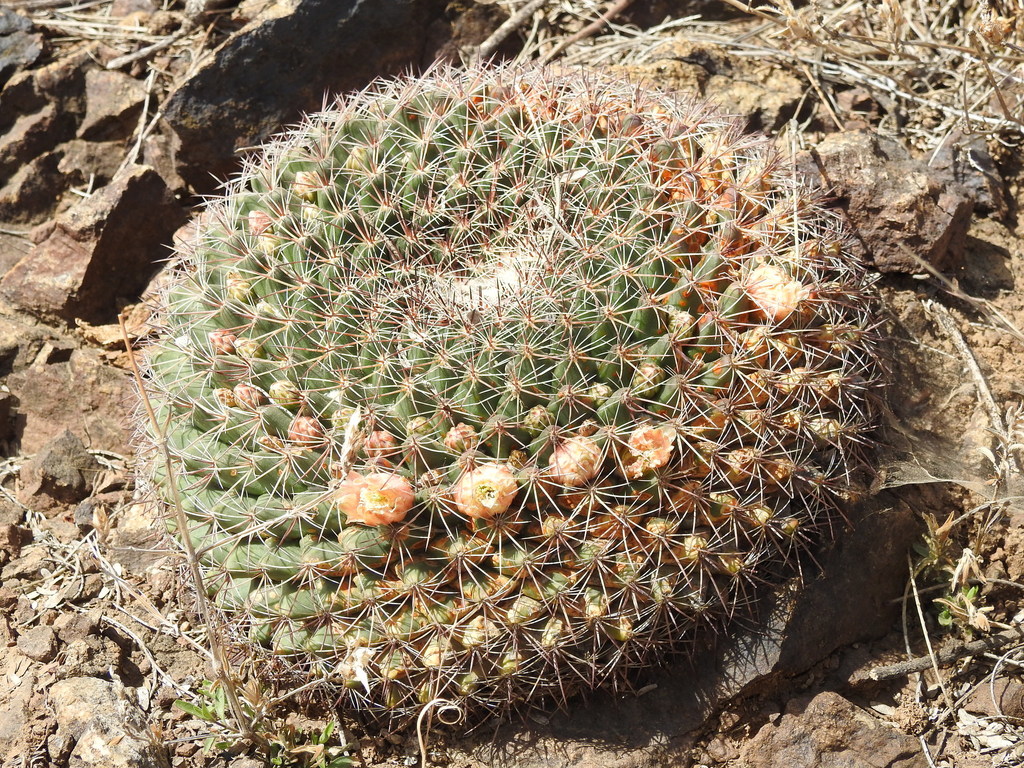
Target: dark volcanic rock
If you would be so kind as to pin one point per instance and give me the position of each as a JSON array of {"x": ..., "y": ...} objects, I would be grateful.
[
  {"x": 104, "y": 248},
  {"x": 904, "y": 214},
  {"x": 269, "y": 72},
  {"x": 19, "y": 45},
  {"x": 854, "y": 597}
]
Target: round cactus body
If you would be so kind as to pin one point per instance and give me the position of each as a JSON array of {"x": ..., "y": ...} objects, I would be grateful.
[{"x": 494, "y": 385}]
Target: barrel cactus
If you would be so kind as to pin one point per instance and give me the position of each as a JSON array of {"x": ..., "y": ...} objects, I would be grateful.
[{"x": 494, "y": 385}]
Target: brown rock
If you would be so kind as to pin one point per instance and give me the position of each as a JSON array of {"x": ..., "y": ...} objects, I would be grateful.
[
  {"x": 1002, "y": 697},
  {"x": 30, "y": 194},
  {"x": 60, "y": 82},
  {"x": 112, "y": 103},
  {"x": 104, "y": 724},
  {"x": 855, "y": 598},
  {"x": 98, "y": 409},
  {"x": 95, "y": 162},
  {"x": 76, "y": 626},
  {"x": 828, "y": 731},
  {"x": 63, "y": 471},
  {"x": 904, "y": 214},
  {"x": 28, "y": 566},
  {"x": 90, "y": 656},
  {"x": 12, "y": 539},
  {"x": 38, "y": 643},
  {"x": 102, "y": 249},
  {"x": 31, "y": 135},
  {"x": 968, "y": 161},
  {"x": 767, "y": 106},
  {"x": 15, "y": 714}
]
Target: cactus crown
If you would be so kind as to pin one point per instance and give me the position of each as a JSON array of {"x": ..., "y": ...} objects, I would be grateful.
[{"x": 495, "y": 384}]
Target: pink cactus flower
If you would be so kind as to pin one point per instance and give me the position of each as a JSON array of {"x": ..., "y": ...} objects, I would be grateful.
[
  {"x": 378, "y": 498},
  {"x": 486, "y": 491},
  {"x": 648, "y": 448},
  {"x": 575, "y": 462},
  {"x": 774, "y": 292}
]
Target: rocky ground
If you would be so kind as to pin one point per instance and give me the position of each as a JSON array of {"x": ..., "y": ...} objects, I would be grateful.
[{"x": 116, "y": 116}]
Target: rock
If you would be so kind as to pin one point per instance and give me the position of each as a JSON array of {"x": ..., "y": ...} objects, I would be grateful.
[
  {"x": 968, "y": 161},
  {"x": 853, "y": 599},
  {"x": 20, "y": 343},
  {"x": 30, "y": 195},
  {"x": 29, "y": 566},
  {"x": 38, "y": 643},
  {"x": 6, "y": 416},
  {"x": 12, "y": 539},
  {"x": 61, "y": 82},
  {"x": 112, "y": 104},
  {"x": 99, "y": 408},
  {"x": 107, "y": 728},
  {"x": 91, "y": 656},
  {"x": 32, "y": 135},
  {"x": 11, "y": 513},
  {"x": 62, "y": 471},
  {"x": 19, "y": 45},
  {"x": 904, "y": 214},
  {"x": 767, "y": 106},
  {"x": 827, "y": 731},
  {"x": 104, "y": 248},
  {"x": 77, "y": 626},
  {"x": 281, "y": 64},
  {"x": 15, "y": 714},
  {"x": 94, "y": 162},
  {"x": 1002, "y": 697}
]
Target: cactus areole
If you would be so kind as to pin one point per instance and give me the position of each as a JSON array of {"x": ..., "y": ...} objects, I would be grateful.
[{"x": 494, "y": 385}]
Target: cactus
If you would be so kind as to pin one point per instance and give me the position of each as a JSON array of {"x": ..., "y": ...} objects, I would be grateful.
[{"x": 495, "y": 385}]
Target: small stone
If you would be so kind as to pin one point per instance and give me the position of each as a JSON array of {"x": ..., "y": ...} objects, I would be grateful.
[
  {"x": 28, "y": 566},
  {"x": 12, "y": 539},
  {"x": 1003, "y": 697},
  {"x": 91, "y": 162},
  {"x": 38, "y": 643},
  {"x": 8, "y": 599},
  {"x": 75, "y": 626},
  {"x": 31, "y": 135},
  {"x": 29, "y": 195},
  {"x": 62, "y": 471}
]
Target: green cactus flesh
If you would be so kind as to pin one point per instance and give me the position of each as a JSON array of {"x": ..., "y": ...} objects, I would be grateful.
[{"x": 495, "y": 385}]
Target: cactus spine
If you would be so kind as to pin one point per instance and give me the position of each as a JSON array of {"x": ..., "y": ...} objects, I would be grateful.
[{"x": 495, "y": 385}]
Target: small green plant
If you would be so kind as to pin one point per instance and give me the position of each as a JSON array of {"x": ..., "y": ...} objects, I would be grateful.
[
  {"x": 943, "y": 561},
  {"x": 282, "y": 743}
]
